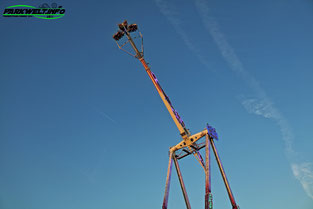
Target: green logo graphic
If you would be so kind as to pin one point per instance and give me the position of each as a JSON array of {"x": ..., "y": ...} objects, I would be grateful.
[{"x": 43, "y": 12}]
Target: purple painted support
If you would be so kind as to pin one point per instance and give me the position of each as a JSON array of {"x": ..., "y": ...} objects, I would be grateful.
[
  {"x": 230, "y": 194},
  {"x": 208, "y": 194},
  {"x": 168, "y": 181},
  {"x": 182, "y": 185}
]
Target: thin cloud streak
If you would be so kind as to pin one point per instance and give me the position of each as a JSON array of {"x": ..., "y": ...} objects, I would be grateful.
[
  {"x": 266, "y": 109},
  {"x": 303, "y": 172},
  {"x": 172, "y": 15},
  {"x": 107, "y": 116}
]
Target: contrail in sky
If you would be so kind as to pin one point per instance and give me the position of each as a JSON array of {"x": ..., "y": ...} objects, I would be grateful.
[
  {"x": 173, "y": 18},
  {"x": 262, "y": 106},
  {"x": 104, "y": 114},
  {"x": 107, "y": 116}
]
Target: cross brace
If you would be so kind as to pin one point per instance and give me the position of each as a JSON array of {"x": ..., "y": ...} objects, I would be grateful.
[{"x": 208, "y": 194}]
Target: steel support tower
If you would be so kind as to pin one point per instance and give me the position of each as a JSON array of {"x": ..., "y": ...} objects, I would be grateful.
[{"x": 190, "y": 144}]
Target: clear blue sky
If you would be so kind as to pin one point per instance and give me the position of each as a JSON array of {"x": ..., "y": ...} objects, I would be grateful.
[{"x": 82, "y": 126}]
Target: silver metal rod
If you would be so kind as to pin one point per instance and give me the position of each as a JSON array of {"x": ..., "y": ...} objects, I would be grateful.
[
  {"x": 138, "y": 54},
  {"x": 182, "y": 185},
  {"x": 168, "y": 181}
]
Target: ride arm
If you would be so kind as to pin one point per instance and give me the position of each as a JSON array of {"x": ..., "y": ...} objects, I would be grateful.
[{"x": 174, "y": 114}]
